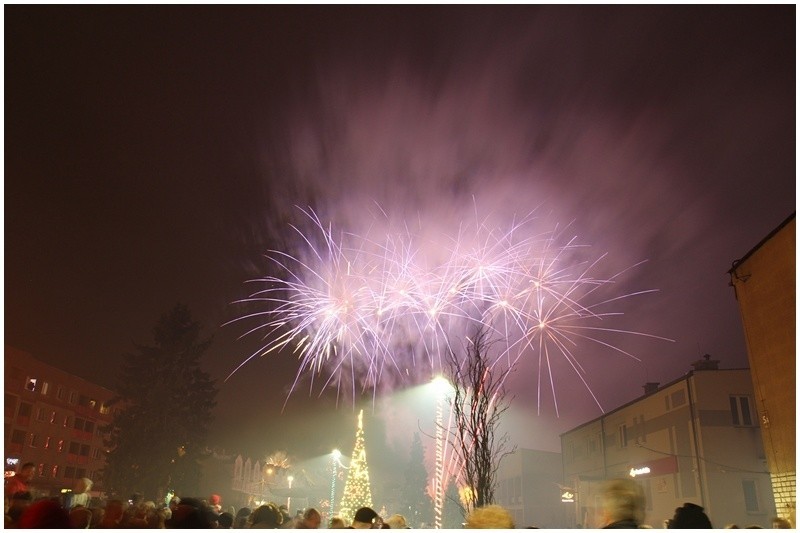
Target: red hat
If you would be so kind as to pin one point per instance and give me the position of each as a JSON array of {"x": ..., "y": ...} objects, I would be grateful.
[{"x": 214, "y": 499}]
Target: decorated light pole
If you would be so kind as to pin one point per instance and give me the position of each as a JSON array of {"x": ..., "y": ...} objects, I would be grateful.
[{"x": 335, "y": 455}]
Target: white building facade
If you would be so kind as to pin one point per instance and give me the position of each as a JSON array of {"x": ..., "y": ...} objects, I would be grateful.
[{"x": 695, "y": 440}]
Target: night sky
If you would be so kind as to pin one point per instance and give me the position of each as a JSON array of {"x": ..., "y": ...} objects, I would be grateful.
[{"x": 154, "y": 154}]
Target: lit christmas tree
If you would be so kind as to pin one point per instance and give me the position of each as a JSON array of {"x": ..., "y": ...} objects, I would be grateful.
[{"x": 356, "y": 488}]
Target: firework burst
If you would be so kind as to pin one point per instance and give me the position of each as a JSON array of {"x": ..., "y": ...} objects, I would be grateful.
[{"x": 358, "y": 312}]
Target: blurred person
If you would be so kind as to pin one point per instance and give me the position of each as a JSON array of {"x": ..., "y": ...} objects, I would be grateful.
[
  {"x": 240, "y": 518},
  {"x": 80, "y": 494},
  {"x": 396, "y": 521},
  {"x": 266, "y": 516},
  {"x": 112, "y": 515},
  {"x": 310, "y": 519},
  {"x": 80, "y": 517},
  {"x": 623, "y": 504},
  {"x": 215, "y": 502},
  {"x": 16, "y": 506},
  {"x": 225, "y": 520},
  {"x": 337, "y": 523},
  {"x": 489, "y": 517},
  {"x": 364, "y": 518},
  {"x": 44, "y": 514},
  {"x": 690, "y": 516},
  {"x": 781, "y": 523},
  {"x": 20, "y": 481}
]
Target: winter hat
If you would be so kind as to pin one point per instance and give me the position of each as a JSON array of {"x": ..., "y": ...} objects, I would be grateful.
[{"x": 365, "y": 515}]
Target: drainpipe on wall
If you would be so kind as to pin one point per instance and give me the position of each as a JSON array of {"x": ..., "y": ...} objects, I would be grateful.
[{"x": 694, "y": 438}]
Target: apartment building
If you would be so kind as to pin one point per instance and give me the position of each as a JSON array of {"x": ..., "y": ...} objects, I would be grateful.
[
  {"x": 53, "y": 419},
  {"x": 696, "y": 439},
  {"x": 764, "y": 285}
]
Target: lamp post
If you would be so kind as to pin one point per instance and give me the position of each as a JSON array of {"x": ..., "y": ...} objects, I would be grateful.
[
  {"x": 441, "y": 386},
  {"x": 289, "y": 497},
  {"x": 335, "y": 454}
]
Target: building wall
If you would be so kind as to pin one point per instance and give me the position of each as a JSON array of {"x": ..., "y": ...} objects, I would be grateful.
[
  {"x": 764, "y": 284},
  {"x": 52, "y": 419},
  {"x": 677, "y": 443},
  {"x": 528, "y": 485}
]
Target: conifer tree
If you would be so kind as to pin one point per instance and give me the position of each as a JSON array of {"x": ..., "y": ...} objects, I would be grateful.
[
  {"x": 357, "y": 492},
  {"x": 415, "y": 502},
  {"x": 165, "y": 402}
]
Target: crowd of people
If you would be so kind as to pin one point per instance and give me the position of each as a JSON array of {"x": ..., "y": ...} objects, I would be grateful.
[{"x": 622, "y": 506}]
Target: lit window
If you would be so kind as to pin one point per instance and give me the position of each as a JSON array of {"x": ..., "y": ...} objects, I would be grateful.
[
  {"x": 33, "y": 441},
  {"x": 47, "y": 442},
  {"x": 623, "y": 436},
  {"x": 53, "y": 418},
  {"x": 54, "y": 472},
  {"x": 41, "y": 469},
  {"x": 30, "y": 384},
  {"x": 61, "y": 445},
  {"x": 750, "y": 490},
  {"x": 104, "y": 409},
  {"x": 60, "y": 393},
  {"x": 741, "y": 414}
]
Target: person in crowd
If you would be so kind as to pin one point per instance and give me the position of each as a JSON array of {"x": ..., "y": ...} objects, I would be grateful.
[
  {"x": 112, "y": 516},
  {"x": 690, "y": 516},
  {"x": 397, "y": 521},
  {"x": 189, "y": 514},
  {"x": 20, "y": 481},
  {"x": 16, "y": 506},
  {"x": 80, "y": 494},
  {"x": 266, "y": 516},
  {"x": 489, "y": 517},
  {"x": 44, "y": 514},
  {"x": 310, "y": 519},
  {"x": 240, "y": 519},
  {"x": 781, "y": 523},
  {"x": 80, "y": 517},
  {"x": 623, "y": 504},
  {"x": 225, "y": 520},
  {"x": 364, "y": 518},
  {"x": 288, "y": 521},
  {"x": 336, "y": 522},
  {"x": 215, "y": 502}
]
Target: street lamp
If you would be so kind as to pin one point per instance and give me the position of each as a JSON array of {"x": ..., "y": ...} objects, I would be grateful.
[
  {"x": 335, "y": 455},
  {"x": 289, "y": 497},
  {"x": 441, "y": 387}
]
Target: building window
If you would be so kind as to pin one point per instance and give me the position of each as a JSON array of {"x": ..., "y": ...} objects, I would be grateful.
[
  {"x": 623, "y": 436},
  {"x": 25, "y": 410},
  {"x": 60, "y": 393},
  {"x": 66, "y": 421},
  {"x": 740, "y": 411},
  {"x": 73, "y": 397},
  {"x": 97, "y": 453},
  {"x": 10, "y": 405},
  {"x": 83, "y": 401},
  {"x": 47, "y": 443},
  {"x": 81, "y": 472},
  {"x": 54, "y": 472},
  {"x": 42, "y": 469},
  {"x": 750, "y": 496},
  {"x": 69, "y": 472},
  {"x": 53, "y": 417},
  {"x": 18, "y": 437},
  {"x": 84, "y": 451},
  {"x": 33, "y": 440},
  {"x": 41, "y": 415},
  {"x": 74, "y": 447},
  {"x": 88, "y": 427},
  {"x": 60, "y": 445},
  {"x": 30, "y": 384},
  {"x": 104, "y": 409},
  {"x": 45, "y": 388},
  {"x": 678, "y": 398}
]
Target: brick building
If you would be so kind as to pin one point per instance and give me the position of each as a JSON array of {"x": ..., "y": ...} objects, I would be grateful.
[
  {"x": 764, "y": 285},
  {"x": 52, "y": 419}
]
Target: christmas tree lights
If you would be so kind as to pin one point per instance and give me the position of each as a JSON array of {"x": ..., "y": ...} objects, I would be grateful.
[{"x": 357, "y": 493}]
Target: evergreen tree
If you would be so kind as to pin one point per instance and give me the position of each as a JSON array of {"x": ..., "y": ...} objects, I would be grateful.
[
  {"x": 416, "y": 504},
  {"x": 357, "y": 493},
  {"x": 453, "y": 511},
  {"x": 165, "y": 402}
]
